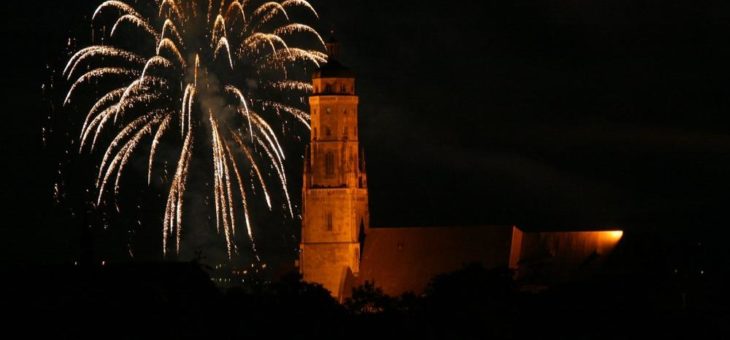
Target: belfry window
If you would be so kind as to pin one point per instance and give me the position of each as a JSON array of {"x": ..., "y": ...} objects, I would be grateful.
[{"x": 329, "y": 164}]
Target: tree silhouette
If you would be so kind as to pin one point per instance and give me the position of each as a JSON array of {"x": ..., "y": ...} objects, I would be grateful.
[{"x": 369, "y": 299}]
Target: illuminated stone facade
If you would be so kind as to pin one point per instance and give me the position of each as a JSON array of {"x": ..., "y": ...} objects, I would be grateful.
[{"x": 335, "y": 195}]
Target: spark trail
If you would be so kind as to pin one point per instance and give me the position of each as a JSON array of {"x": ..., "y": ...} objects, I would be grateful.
[{"x": 155, "y": 80}]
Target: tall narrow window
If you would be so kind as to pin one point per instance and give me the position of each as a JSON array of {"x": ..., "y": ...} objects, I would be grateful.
[
  {"x": 329, "y": 221},
  {"x": 329, "y": 164}
]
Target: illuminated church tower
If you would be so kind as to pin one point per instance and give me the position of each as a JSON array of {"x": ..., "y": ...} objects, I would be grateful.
[{"x": 335, "y": 194}]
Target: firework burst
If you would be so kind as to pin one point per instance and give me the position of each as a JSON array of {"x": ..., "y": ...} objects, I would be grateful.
[{"x": 206, "y": 77}]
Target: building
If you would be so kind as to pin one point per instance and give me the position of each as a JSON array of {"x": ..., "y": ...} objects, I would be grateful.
[
  {"x": 334, "y": 194},
  {"x": 339, "y": 249}
]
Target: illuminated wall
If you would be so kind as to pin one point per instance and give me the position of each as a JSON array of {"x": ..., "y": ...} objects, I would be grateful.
[
  {"x": 335, "y": 195},
  {"x": 558, "y": 256}
]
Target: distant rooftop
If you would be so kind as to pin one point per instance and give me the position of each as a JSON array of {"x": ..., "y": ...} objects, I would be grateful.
[{"x": 405, "y": 259}]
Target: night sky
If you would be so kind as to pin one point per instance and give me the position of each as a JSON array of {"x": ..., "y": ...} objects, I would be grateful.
[{"x": 546, "y": 114}]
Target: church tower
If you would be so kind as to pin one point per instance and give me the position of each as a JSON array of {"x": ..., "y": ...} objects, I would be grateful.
[{"x": 335, "y": 195}]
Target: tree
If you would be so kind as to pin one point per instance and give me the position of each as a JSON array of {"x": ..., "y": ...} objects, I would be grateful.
[{"x": 369, "y": 299}]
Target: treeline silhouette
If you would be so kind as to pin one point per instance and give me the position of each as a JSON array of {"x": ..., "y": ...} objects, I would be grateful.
[{"x": 644, "y": 291}]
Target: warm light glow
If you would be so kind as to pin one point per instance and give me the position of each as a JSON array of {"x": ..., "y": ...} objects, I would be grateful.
[{"x": 615, "y": 235}]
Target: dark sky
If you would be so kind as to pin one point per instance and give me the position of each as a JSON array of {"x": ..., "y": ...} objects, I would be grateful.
[{"x": 551, "y": 114}]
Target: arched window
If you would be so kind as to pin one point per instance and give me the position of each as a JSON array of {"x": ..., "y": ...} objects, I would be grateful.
[{"x": 329, "y": 164}]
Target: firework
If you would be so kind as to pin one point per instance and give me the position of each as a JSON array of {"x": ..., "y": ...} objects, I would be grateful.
[{"x": 186, "y": 52}]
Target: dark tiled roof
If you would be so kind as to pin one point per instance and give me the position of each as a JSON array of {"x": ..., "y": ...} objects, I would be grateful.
[{"x": 405, "y": 259}]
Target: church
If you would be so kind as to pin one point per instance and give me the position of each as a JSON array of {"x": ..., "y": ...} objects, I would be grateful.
[{"x": 340, "y": 250}]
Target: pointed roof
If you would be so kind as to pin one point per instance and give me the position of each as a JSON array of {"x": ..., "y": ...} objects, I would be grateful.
[{"x": 333, "y": 68}]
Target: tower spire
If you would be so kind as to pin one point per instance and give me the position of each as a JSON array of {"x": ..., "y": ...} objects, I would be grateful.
[
  {"x": 333, "y": 46},
  {"x": 333, "y": 68}
]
